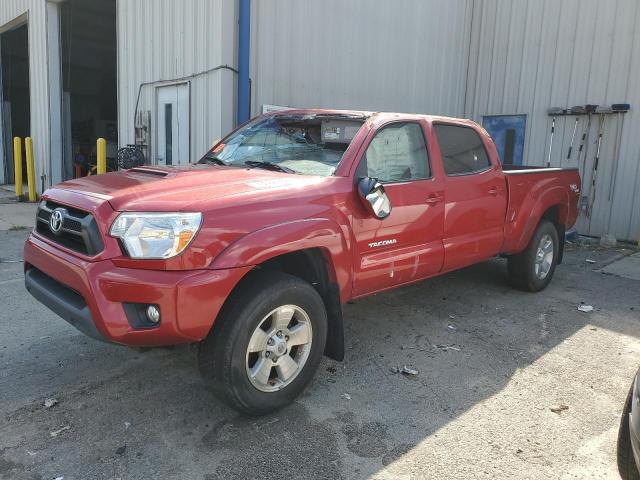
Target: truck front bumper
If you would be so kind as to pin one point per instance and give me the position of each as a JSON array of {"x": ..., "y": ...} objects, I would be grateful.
[{"x": 92, "y": 296}]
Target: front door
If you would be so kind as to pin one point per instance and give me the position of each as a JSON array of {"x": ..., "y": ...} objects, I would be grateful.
[
  {"x": 172, "y": 125},
  {"x": 407, "y": 245}
]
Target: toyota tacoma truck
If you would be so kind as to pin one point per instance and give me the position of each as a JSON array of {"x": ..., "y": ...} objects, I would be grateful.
[{"x": 252, "y": 251}]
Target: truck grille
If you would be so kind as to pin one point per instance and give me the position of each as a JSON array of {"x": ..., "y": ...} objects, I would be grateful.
[{"x": 74, "y": 229}]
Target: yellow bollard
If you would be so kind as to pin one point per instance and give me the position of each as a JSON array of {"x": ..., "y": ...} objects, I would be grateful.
[
  {"x": 17, "y": 162},
  {"x": 31, "y": 172},
  {"x": 101, "y": 153}
]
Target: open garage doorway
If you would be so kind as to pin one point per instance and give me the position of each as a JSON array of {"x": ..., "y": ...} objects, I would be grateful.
[
  {"x": 15, "y": 120},
  {"x": 89, "y": 83}
]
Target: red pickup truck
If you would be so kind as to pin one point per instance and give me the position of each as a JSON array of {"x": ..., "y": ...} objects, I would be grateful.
[{"x": 253, "y": 250}]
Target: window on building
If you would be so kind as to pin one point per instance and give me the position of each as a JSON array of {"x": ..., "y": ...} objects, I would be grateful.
[
  {"x": 397, "y": 153},
  {"x": 462, "y": 150},
  {"x": 507, "y": 132}
]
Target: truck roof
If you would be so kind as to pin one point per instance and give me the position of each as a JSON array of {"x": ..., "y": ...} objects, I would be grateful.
[{"x": 373, "y": 116}]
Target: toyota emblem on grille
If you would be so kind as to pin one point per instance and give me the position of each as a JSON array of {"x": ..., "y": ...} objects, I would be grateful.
[{"x": 56, "y": 219}]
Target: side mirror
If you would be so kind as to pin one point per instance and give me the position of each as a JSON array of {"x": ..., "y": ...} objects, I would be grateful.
[{"x": 374, "y": 198}]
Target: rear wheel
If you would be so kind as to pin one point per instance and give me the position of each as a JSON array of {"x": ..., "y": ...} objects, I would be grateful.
[
  {"x": 533, "y": 268},
  {"x": 266, "y": 344},
  {"x": 626, "y": 461}
]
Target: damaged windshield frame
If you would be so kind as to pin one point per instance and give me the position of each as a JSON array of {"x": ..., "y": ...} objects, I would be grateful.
[{"x": 308, "y": 144}]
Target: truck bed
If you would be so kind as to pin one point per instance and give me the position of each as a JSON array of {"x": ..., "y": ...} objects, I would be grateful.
[{"x": 528, "y": 188}]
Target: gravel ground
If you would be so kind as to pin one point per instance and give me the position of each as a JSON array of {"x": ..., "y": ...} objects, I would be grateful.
[{"x": 492, "y": 362}]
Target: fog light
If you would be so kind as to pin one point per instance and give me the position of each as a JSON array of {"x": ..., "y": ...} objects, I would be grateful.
[{"x": 153, "y": 314}]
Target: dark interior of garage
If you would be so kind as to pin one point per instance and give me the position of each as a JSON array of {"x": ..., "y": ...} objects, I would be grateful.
[
  {"x": 89, "y": 79},
  {"x": 14, "y": 52}
]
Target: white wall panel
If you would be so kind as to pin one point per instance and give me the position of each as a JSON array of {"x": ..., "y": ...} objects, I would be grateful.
[
  {"x": 164, "y": 40},
  {"x": 408, "y": 56}
]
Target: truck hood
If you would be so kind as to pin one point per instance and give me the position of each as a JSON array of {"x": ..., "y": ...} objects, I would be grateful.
[{"x": 185, "y": 188}]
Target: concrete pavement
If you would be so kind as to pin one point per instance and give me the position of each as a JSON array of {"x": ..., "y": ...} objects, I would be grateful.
[{"x": 15, "y": 215}]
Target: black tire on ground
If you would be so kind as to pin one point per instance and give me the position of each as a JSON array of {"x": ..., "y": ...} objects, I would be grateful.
[
  {"x": 521, "y": 267},
  {"x": 222, "y": 356},
  {"x": 626, "y": 462}
]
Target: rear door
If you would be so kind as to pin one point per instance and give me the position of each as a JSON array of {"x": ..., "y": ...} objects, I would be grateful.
[
  {"x": 475, "y": 198},
  {"x": 407, "y": 245}
]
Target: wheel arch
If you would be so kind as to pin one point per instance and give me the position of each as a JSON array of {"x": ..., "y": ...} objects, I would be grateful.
[
  {"x": 552, "y": 206},
  {"x": 315, "y": 251}
]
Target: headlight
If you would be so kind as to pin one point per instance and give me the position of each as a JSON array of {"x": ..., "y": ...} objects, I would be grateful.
[{"x": 155, "y": 235}]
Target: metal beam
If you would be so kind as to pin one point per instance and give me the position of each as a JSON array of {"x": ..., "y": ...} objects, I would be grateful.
[{"x": 244, "y": 43}]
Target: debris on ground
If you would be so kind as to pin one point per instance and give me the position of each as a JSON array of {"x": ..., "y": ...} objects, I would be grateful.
[
  {"x": 405, "y": 370},
  {"x": 127, "y": 425},
  {"x": 608, "y": 240},
  {"x": 346, "y": 396},
  {"x": 50, "y": 402},
  {"x": 585, "y": 308},
  {"x": 121, "y": 450},
  {"x": 408, "y": 371},
  {"x": 331, "y": 369},
  {"x": 452, "y": 328},
  {"x": 55, "y": 433},
  {"x": 406, "y": 347},
  {"x": 559, "y": 408},
  {"x": 444, "y": 348},
  {"x": 588, "y": 260},
  {"x": 61, "y": 477}
]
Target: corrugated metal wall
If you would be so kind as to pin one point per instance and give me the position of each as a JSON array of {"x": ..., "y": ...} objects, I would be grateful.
[
  {"x": 408, "y": 56},
  {"x": 529, "y": 55},
  {"x": 467, "y": 58},
  {"x": 163, "y": 40},
  {"x": 38, "y": 76}
]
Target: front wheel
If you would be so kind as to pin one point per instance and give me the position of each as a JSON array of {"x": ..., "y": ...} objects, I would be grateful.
[
  {"x": 533, "y": 268},
  {"x": 266, "y": 344}
]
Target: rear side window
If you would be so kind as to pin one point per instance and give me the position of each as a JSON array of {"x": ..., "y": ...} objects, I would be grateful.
[
  {"x": 397, "y": 153},
  {"x": 462, "y": 150}
]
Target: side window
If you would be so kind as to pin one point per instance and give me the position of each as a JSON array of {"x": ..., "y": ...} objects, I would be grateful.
[
  {"x": 462, "y": 150},
  {"x": 397, "y": 153}
]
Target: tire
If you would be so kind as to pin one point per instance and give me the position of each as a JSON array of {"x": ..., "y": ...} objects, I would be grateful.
[
  {"x": 626, "y": 461},
  {"x": 264, "y": 301},
  {"x": 523, "y": 271}
]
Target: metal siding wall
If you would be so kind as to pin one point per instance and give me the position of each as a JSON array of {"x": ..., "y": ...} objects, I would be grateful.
[
  {"x": 165, "y": 40},
  {"x": 38, "y": 77},
  {"x": 532, "y": 55},
  {"x": 408, "y": 56}
]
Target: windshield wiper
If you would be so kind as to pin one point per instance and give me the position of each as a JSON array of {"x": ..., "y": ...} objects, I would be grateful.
[
  {"x": 215, "y": 160},
  {"x": 269, "y": 166}
]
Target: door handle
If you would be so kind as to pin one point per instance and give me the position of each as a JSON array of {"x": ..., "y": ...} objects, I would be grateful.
[
  {"x": 433, "y": 199},
  {"x": 494, "y": 191}
]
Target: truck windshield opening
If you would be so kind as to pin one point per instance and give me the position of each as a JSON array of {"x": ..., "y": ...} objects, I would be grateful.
[{"x": 305, "y": 144}]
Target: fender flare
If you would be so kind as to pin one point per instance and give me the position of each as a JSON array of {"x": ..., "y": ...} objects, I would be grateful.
[
  {"x": 531, "y": 211},
  {"x": 261, "y": 245}
]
